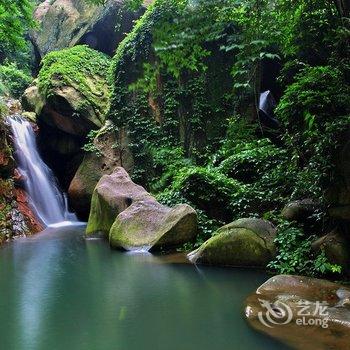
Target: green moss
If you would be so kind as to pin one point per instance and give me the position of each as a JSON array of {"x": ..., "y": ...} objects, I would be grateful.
[
  {"x": 82, "y": 68},
  {"x": 102, "y": 216},
  {"x": 234, "y": 247}
]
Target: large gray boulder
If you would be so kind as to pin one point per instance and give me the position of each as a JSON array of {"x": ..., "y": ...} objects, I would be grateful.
[
  {"x": 133, "y": 219},
  {"x": 146, "y": 224},
  {"x": 66, "y": 23},
  {"x": 245, "y": 242}
]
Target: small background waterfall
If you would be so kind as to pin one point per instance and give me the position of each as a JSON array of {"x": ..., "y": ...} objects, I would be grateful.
[{"x": 47, "y": 201}]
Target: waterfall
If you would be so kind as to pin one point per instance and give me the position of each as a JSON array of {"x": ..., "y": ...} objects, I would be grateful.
[{"x": 45, "y": 198}]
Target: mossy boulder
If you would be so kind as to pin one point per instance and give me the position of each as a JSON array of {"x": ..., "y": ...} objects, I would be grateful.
[
  {"x": 112, "y": 195},
  {"x": 245, "y": 242},
  {"x": 73, "y": 85},
  {"x": 299, "y": 210},
  {"x": 108, "y": 151},
  {"x": 133, "y": 219},
  {"x": 150, "y": 225}
]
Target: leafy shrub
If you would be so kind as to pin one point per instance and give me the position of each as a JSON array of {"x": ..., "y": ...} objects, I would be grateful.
[
  {"x": 250, "y": 161},
  {"x": 318, "y": 95},
  {"x": 208, "y": 190},
  {"x": 315, "y": 110},
  {"x": 295, "y": 254},
  {"x": 13, "y": 80}
]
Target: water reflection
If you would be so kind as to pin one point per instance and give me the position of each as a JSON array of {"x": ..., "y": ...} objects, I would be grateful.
[{"x": 60, "y": 291}]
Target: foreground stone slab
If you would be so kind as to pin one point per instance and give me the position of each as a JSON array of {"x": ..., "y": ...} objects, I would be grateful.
[
  {"x": 133, "y": 219},
  {"x": 245, "y": 242},
  {"x": 305, "y": 313}
]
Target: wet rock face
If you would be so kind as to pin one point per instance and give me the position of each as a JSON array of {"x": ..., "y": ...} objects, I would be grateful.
[
  {"x": 133, "y": 219},
  {"x": 16, "y": 216},
  {"x": 303, "y": 312},
  {"x": 245, "y": 242},
  {"x": 102, "y": 161},
  {"x": 66, "y": 23}
]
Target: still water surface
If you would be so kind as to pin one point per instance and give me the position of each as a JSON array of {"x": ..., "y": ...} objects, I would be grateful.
[{"x": 59, "y": 291}]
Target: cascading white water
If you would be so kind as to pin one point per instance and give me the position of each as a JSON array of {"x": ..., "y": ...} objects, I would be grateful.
[{"x": 45, "y": 198}]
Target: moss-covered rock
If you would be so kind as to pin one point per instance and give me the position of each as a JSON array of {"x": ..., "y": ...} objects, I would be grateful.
[
  {"x": 73, "y": 85},
  {"x": 112, "y": 195},
  {"x": 245, "y": 242},
  {"x": 148, "y": 224},
  {"x": 132, "y": 218},
  {"x": 106, "y": 153}
]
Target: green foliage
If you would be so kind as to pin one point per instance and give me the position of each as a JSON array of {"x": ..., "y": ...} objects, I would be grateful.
[
  {"x": 295, "y": 254},
  {"x": 316, "y": 112},
  {"x": 15, "y": 19},
  {"x": 133, "y": 4},
  {"x": 188, "y": 67},
  {"x": 3, "y": 107},
  {"x": 249, "y": 161},
  {"x": 162, "y": 92},
  {"x": 13, "y": 81},
  {"x": 181, "y": 191}
]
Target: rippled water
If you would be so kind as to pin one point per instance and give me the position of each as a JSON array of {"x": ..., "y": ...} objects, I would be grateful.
[{"x": 59, "y": 291}]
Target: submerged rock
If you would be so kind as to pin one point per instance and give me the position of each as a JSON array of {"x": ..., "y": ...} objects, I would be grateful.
[
  {"x": 245, "y": 242},
  {"x": 110, "y": 150},
  {"x": 133, "y": 219},
  {"x": 305, "y": 313}
]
